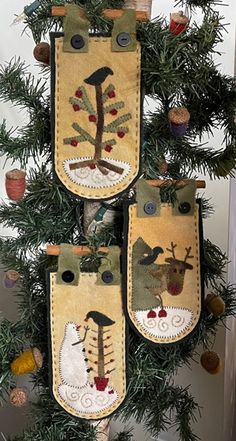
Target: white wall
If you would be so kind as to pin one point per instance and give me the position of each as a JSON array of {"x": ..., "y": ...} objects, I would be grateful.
[{"x": 208, "y": 390}]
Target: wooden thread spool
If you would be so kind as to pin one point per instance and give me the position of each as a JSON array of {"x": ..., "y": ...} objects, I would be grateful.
[
  {"x": 15, "y": 184},
  {"x": 11, "y": 278},
  {"x": 178, "y": 23},
  {"x": 28, "y": 362},
  {"x": 140, "y": 5},
  {"x": 19, "y": 396},
  {"x": 178, "y": 118}
]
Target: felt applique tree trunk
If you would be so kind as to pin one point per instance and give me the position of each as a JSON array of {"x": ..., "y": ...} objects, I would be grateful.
[
  {"x": 81, "y": 102},
  {"x": 103, "y": 347}
]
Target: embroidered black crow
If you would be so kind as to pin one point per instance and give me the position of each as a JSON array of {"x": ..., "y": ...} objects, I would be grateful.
[
  {"x": 99, "y": 318},
  {"x": 99, "y": 76},
  {"x": 148, "y": 260}
]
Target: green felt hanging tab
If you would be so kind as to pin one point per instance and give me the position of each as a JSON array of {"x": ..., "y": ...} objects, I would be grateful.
[
  {"x": 124, "y": 32},
  {"x": 76, "y": 30},
  {"x": 68, "y": 266},
  {"x": 109, "y": 270},
  {"x": 148, "y": 199},
  {"x": 185, "y": 203}
]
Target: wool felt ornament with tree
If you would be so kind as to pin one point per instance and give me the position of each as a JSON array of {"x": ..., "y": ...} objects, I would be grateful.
[
  {"x": 177, "y": 71},
  {"x": 88, "y": 338},
  {"x": 97, "y": 114}
]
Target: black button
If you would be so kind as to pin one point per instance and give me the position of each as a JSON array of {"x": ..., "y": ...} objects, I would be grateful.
[
  {"x": 77, "y": 41},
  {"x": 123, "y": 39},
  {"x": 150, "y": 208},
  {"x": 184, "y": 207},
  {"x": 67, "y": 276},
  {"x": 107, "y": 277}
]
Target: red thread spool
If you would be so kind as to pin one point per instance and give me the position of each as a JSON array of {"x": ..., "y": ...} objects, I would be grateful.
[
  {"x": 15, "y": 184},
  {"x": 178, "y": 22}
]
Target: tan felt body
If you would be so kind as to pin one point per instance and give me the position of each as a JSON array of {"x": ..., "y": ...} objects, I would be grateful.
[
  {"x": 71, "y": 71},
  {"x": 73, "y": 387},
  {"x": 183, "y": 310}
]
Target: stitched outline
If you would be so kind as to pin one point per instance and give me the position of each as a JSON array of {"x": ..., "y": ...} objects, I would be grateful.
[
  {"x": 119, "y": 188},
  {"x": 132, "y": 209},
  {"x": 55, "y": 364}
]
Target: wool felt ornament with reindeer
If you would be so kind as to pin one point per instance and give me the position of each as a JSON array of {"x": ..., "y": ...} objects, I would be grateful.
[{"x": 163, "y": 293}]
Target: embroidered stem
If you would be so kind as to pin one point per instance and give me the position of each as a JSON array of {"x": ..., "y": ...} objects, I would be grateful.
[
  {"x": 100, "y": 122},
  {"x": 101, "y": 362}
]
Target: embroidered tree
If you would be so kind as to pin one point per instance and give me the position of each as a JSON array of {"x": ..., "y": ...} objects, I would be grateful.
[
  {"x": 103, "y": 348},
  {"x": 82, "y": 102}
]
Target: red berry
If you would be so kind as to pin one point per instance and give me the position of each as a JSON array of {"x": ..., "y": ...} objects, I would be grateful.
[
  {"x": 93, "y": 166},
  {"x": 151, "y": 314},
  {"x": 79, "y": 93},
  {"x": 121, "y": 134},
  {"x": 111, "y": 94},
  {"x": 108, "y": 148},
  {"x": 76, "y": 107},
  {"x": 113, "y": 112},
  {"x": 74, "y": 143},
  {"x": 92, "y": 118},
  {"x": 111, "y": 392},
  {"x": 162, "y": 313}
]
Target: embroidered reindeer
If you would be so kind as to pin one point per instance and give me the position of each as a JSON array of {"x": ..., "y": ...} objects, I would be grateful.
[{"x": 172, "y": 274}]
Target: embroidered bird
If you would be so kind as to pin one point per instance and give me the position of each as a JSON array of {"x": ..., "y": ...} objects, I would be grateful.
[
  {"x": 150, "y": 258},
  {"x": 99, "y": 76},
  {"x": 99, "y": 318}
]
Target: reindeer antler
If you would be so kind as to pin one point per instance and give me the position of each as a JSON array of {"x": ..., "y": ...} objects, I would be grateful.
[
  {"x": 172, "y": 250},
  {"x": 188, "y": 254}
]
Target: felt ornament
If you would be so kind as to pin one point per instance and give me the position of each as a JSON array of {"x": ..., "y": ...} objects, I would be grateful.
[
  {"x": 178, "y": 118},
  {"x": 28, "y": 362},
  {"x": 162, "y": 264},
  {"x": 178, "y": 23},
  {"x": 96, "y": 118},
  {"x": 19, "y": 396},
  {"x": 42, "y": 52},
  {"x": 215, "y": 304},
  {"x": 10, "y": 278},
  {"x": 87, "y": 335},
  {"x": 15, "y": 184},
  {"x": 211, "y": 362}
]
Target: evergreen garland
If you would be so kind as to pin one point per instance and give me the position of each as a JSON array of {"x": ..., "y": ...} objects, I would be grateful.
[{"x": 175, "y": 71}]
